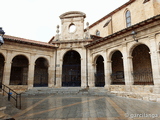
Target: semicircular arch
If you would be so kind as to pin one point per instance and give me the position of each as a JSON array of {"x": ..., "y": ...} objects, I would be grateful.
[
  {"x": 42, "y": 57},
  {"x": 112, "y": 52},
  {"x": 131, "y": 48},
  {"x": 65, "y": 52},
  {"x": 20, "y": 54},
  {"x": 96, "y": 57}
]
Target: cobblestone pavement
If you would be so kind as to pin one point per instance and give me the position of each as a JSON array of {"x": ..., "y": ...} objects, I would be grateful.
[{"x": 85, "y": 107}]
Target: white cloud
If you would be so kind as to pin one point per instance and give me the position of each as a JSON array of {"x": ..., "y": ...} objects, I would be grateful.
[{"x": 37, "y": 19}]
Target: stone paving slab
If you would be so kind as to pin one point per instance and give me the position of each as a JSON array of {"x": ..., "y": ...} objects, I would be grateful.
[
  {"x": 10, "y": 108},
  {"x": 82, "y": 107},
  {"x": 85, "y": 107}
]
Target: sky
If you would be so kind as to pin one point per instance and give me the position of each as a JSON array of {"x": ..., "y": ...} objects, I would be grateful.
[{"x": 37, "y": 19}]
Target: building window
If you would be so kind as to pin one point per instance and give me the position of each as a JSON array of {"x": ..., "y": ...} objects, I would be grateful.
[
  {"x": 146, "y": 1},
  {"x": 106, "y": 24},
  {"x": 128, "y": 18},
  {"x": 97, "y": 33}
]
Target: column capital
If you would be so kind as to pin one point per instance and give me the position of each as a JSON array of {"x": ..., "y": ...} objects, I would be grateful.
[
  {"x": 152, "y": 36},
  {"x": 93, "y": 64},
  {"x": 32, "y": 63},
  {"x": 9, "y": 51},
  {"x": 33, "y": 54},
  {"x": 109, "y": 61},
  {"x": 8, "y": 62},
  {"x": 124, "y": 44},
  {"x": 130, "y": 57}
]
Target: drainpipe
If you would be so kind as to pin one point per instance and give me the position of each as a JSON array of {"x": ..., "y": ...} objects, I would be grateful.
[
  {"x": 111, "y": 25},
  {"x": 87, "y": 67},
  {"x": 55, "y": 67}
]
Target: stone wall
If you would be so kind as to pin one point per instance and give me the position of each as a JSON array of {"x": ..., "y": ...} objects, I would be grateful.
[
  {"x": 141, "y": 59},
  {"x": 140, "y": 92},
  {"x": 12, "y": 49},
  {"x": 139, "y": 12}
]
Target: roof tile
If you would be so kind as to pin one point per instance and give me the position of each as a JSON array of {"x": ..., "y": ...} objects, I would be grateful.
[{"x": 18, "y": 39}]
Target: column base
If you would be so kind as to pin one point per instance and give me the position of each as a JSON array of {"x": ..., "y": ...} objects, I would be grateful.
[
  {"x": 156, "y": 89},
  {"x": 128, "y": 88},
  {"x": 50, "y": 85},
  {"x": 30, "y": 87},
  {"x": 107, "y": 87}
]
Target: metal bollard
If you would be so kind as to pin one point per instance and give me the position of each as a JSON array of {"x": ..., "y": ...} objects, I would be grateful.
[{"x": 9, "y": 96}]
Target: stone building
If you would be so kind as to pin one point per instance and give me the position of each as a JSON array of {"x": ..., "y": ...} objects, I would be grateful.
[{"x": 119, "y": 52}]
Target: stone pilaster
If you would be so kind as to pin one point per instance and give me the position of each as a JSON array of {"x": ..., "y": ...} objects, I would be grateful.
[
  {"x": 93, "y": 71},
  {"x": 31, "y": 71},
  {"x": 83, "y": 72},
  {"x": 7, "y": 68},
  {"x": 90, "y": 70},
  {"x": 51, "y": 74},
  {"x": 59, "y": 64},
  {"x": 155, "y": 64},
  {"x": 108, "y": 71},
  {"x": 128, "y": 68}
]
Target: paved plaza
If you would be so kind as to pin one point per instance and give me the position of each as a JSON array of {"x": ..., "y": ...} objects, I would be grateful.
[{"x": 84, "y": 107}]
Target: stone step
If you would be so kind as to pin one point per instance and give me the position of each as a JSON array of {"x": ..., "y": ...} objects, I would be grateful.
[
  {"x": 43, "y": 90},
  {"x": 67, "y": 90}
]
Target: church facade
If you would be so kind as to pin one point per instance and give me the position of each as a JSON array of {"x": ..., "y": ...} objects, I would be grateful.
[{"x": 119, "y": 52}]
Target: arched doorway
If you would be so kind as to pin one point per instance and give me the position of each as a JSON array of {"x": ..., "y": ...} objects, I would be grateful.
[
  {"x": 41, "y": 73},
  {"x": 19, "y": 71},
  {"x": 117, "y": 75},
  {"x": 1, "y": 69},
  {"x": 142, "y": 70},
  {"x": 71, "y": 69},
  {"x": 99, "y": 76}
]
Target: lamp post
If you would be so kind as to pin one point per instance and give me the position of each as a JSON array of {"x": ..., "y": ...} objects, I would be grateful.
[
  {"x": 1, "y": 36},
  {"x": 134, "y": 35}
]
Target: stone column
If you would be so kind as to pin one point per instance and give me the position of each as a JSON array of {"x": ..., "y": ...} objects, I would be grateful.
[
  {"x": 93, "y": 74},
  {"x": 90, "y": 70},
  {"x": 83, "y": 72},
  {"x": 108, "y": 71},
  {"x": 128, "y": 68},
  {"x": 31, "y": 71},
  {"x": 155, "y": 64},
  {"x": 59, "y": 63},
  {"x": 7, "y": 68},
  {"x": 51, "y": 74}
]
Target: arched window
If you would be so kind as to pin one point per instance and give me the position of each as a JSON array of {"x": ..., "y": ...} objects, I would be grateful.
[
  {"x": 97, "y": 33},
  {"x": 128, "y": 18}
]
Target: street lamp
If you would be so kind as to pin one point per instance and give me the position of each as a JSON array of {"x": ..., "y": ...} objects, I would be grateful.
[
  {"x": 134, "y": 35},
  {"x": 1, "y": 36}
]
